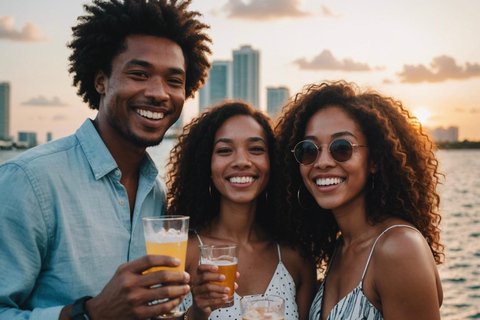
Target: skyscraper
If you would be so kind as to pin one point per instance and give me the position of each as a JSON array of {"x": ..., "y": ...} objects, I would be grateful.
[
  {"x": 246, "y": 75},
  {"x": 4, "y": 111},
  {"x": 218, "y": 86},
  {"x": 27, "y": 139},
  {"x": 276, "y": 98}
]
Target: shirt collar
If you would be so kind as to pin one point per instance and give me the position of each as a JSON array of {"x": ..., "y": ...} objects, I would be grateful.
[{"x": 98, "y": 156}]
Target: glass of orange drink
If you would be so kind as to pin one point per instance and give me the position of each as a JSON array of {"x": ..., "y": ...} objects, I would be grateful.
[
  {"x": 167, "y": 236},
  {"x": 226, "y": 258}
]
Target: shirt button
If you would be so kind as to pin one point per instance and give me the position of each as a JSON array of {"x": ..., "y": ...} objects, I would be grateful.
[
  {"x": 122, "y": 202},
  {"x": 117, "y": 172}
]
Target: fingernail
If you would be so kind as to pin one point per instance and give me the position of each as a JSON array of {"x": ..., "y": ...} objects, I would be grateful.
[
  {"x": 177, "y": 261},
  {"x": 222, "y": 277},
  {"x": 226, "y": 290}
]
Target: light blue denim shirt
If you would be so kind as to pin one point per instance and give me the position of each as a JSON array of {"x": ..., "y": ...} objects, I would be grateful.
[{"x": 65, "y": 223}]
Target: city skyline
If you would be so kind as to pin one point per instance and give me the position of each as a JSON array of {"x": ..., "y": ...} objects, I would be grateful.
[{"x": 421, "y": 53}]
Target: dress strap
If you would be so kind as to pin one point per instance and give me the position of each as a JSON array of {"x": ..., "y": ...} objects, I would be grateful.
[
  {"x": 381, "y": 234},
  {"x": 198, "y": 236},
  {"x": 279, "y": 253}
]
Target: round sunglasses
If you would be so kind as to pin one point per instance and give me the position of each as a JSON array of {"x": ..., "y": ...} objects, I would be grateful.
[{"x": 306, "y": 152}]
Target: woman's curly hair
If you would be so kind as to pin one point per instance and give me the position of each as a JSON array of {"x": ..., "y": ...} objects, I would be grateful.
[
  {"x": 407, "y": 177},
  {"x": 100, "y": 36},
  {"x": 190, "y": 188}
]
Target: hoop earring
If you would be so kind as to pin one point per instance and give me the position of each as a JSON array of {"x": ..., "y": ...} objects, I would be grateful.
[{"x": 300, "y": 202}]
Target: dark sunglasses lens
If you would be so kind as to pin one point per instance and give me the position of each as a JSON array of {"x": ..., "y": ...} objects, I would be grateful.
[
  {"x": 341, "y": 150},
  {"x": 306, "y": 152}
]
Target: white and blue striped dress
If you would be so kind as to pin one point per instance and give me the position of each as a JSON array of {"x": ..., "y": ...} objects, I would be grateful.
[{"x": 355, "y": 305}]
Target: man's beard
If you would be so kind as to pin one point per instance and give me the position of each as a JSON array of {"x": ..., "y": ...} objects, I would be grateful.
[{"x": 124, "y": 130}]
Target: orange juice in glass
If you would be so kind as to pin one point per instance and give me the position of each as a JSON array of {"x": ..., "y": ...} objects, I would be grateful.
[
  {"x": 226, "y": 258},
  {"x": 167, "y": 236}
]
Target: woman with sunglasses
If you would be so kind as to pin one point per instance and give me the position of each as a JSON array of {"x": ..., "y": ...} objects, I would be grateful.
[
  {"x": 360, "y": 183},
  {"x": 219, "y": 176}
]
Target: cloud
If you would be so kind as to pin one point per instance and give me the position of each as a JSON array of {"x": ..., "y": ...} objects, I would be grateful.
[
  {"x": 326, "y": 12},
  {"x": 475, "y": 110},
  {"x": 59, "y": 117},
  {"x": 461, "y": 110},
  {"x": 327, "y": 61},
  {"x": 441, "y": 69},
  {"x": 41, "y": 101},
  {"x": 264, "y": 9},
  {"x": 29, "y": 33},
  {"x": 387, "y": 81}
]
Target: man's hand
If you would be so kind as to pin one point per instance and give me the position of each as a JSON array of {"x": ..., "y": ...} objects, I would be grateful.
[{"x": 129, "y": 292}]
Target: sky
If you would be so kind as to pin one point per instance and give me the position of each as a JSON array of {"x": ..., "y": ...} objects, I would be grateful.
[{"x": 424, "y": 53}]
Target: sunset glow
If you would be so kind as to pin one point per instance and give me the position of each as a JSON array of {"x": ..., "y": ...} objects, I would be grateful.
[{"x": 419, "y": 52}]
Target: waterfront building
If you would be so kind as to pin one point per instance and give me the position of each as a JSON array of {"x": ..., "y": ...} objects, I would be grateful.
[
  {"x": 246, "y": 75},
  {"x": 4, "y": 111},
  {"x": 49, "y": 136},
  {"x": 276, "y": 98},
  {"x": 219, "y": 85},
  {"x": 27, "y": 139},
  {"x": 445, "y": 135}
]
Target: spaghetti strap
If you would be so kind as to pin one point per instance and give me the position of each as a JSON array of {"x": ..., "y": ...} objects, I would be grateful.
[
  {"x": 198, "y": 236},
  {"x": 279, "y": 253},
  {"x": 381, "y": 234}
]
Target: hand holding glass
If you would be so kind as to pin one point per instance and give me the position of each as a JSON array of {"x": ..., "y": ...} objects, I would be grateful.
[
  {"x": 168, "y": 236},
  {"x": 226, "y": 258}
]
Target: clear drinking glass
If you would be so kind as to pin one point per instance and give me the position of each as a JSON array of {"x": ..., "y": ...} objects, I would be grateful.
[
  {"x": 226, "y": 258},
  {"x": 262, "y": 307},
  {"x": 168, "y": 236}
]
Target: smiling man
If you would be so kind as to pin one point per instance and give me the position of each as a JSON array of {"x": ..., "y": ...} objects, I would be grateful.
[{"x": 72, "y": 209}]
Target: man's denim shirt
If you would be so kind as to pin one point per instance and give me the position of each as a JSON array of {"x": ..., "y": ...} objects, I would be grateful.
[{"x": 65, "y": 223}]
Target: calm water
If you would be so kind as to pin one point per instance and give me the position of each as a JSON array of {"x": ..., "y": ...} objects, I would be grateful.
[{"x": 460, "y": 207}]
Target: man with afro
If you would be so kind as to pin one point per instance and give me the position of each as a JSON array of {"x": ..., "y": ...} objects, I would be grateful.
[{"x": 71, "y": 231}]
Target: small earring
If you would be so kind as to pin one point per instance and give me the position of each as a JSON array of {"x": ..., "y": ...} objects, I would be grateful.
[
  {"x": 373, "y": 182},
  {"x": 210, "y": 190},
  {"x": 300, "y": 202}
]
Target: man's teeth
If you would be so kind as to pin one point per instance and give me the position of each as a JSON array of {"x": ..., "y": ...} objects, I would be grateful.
[
  {"x": 328, "y": 181},
  {"x": 150, "y": 114},
  {"x": 241, "y": 179}
]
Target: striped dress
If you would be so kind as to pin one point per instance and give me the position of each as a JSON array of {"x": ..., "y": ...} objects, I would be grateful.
[{"x": 355, "y": 305}]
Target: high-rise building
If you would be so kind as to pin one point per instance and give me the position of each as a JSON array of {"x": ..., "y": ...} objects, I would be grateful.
[
  {"x": 4, "y": 111},
  {"x": 246, "y": 75},
  {"x": 27, "y": 139},
  {"x": 445, "y": 135},
  {"x": 276, "y": 98},
  {"x": 49, "y": 136},
  {"x": 218, "y": 86}
]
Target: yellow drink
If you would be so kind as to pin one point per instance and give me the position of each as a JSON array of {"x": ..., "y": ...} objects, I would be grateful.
[
  {"x": 229, "y": 270},
  {"x": 173, "y": 249}
]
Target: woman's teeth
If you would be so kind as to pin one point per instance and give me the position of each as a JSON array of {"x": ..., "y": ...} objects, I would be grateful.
[
  {"x": 241, "y": 179},
  {"x": 150, "y": 114},
  {"x": 328, "y": 181}
]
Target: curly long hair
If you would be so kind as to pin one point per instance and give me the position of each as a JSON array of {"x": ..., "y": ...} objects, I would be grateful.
[
  {"x": 190, "y": 189},
  {"x": 407, "y": 177},
  {"x": 100, "y": 36}
]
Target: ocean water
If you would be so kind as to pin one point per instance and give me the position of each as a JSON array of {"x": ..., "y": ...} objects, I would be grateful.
[{"x": 460, "y": 209}]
